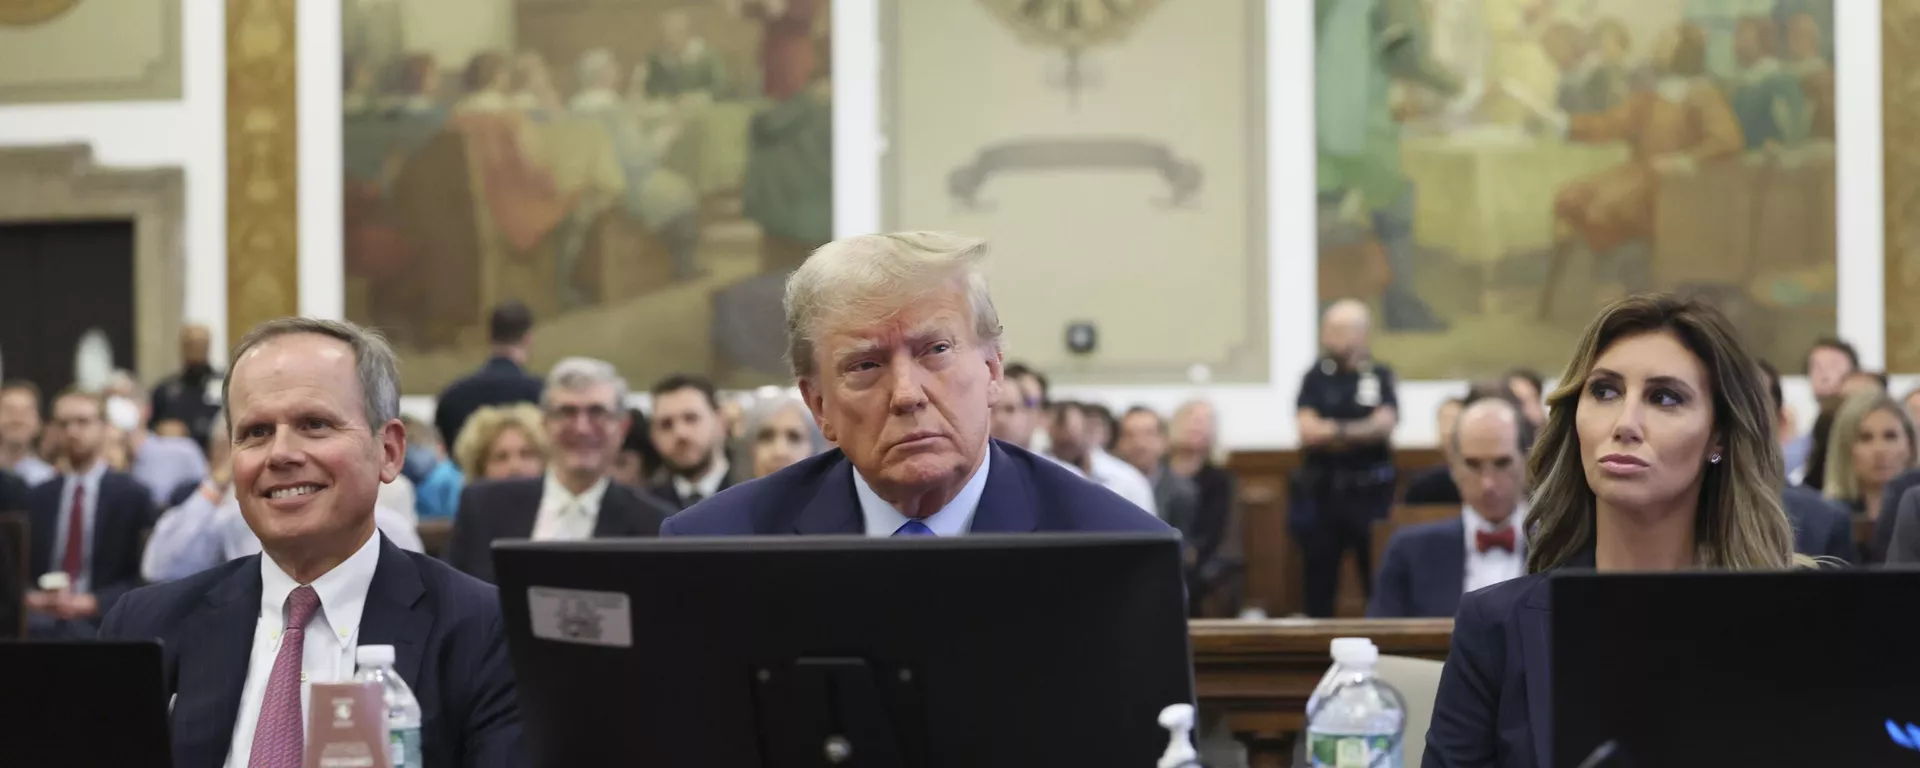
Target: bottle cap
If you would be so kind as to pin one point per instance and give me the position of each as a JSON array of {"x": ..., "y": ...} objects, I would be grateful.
[
  {"x": 1344, "y": 648},
  {"x": 374, "y": 655}
]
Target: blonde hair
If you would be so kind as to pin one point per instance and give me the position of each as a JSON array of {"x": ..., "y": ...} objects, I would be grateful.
[
  {"x": 870, "y": 275},
  {"x": 1841, "y": 482},
  {"x": 1740, "y": 522},
  {"x": 486, "y": 425}
]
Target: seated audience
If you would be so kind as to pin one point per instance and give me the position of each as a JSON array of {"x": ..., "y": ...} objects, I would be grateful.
[
  {"x": 638, "y": 458},
  {"x": 577, "y": 499},
  {"x": 19, "y": 429},
  {"x": 1142, "y": 444},
  {"x": 1017, "y": 414},
  {"x": 436, "y": 481},
  {"x": 1656, "y": 456},
  {"x": 315, "y": 408},
  {"x": 1821, "y": 528},
  {"x": 1428, "y": 567},
  {"x": 159, "y": 462},
  {"x": 782, "y": 432},
  {"x": 1215, "y": 538},
  {"x": 1872, "y": 441},
  {"x": 1435, "y": 485},
  {"x": 502, "y": 442},
  {"x": 87, "y": 525},
  {"x": 692, "y": 438},
  {"x": 206, "y": 527},
  {"x": 502, "y": 380},
  {"x": 1829, "y": 362},
  {"x": 895, "y": 345},
  {"x": 1071, "y": 433}
]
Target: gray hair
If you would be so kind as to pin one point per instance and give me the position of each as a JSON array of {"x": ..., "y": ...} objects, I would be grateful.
[
  {"x": 373, "y": 362},
  {"x": 872, "y": 274},
  {"x": 577, "y": 373},
  {"x": 764, "y": 411}
]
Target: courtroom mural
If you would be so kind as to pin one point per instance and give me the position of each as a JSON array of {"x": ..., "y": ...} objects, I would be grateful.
[
  {"x": 1501, "y": 169},
  {"x": 643, "y": 174}
]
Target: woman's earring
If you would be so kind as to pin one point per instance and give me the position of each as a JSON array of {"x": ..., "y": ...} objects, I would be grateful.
[{"x": 1715, "y": 459}]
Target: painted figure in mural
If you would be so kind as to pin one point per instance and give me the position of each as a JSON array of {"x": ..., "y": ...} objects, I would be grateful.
[
  {"x": 1768, "y": 100},
  {"x": 1807, "y": 61},
  {"x": 789, "y": 183},
  {"x": 1364, "y": 47},
  {"x": 1673, "y": 129},
  {"x": 1594, "y": 73},
  {"x": 683, "y": 63},
  {"x": 662, "y": 200}
]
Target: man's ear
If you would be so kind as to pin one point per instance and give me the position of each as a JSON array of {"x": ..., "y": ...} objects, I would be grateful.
[
  {"x": 810, "y": 394},
  {"x": 996, "y": 376},
  {"x": 393, "y": 449}
]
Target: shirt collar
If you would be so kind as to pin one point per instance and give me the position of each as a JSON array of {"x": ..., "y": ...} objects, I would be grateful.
[
  {"x": 954, "y": 519},
  {"x": 708, "y": 484},
  {"x": 1475, "y": 522},
  {"x": 93, "y": 474},
  {"x": 556, "y": 496},
  {"x": 342, "y": 591}
]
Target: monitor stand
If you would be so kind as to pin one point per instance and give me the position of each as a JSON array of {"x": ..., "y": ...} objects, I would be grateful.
[{"x": 836, "y": 712}]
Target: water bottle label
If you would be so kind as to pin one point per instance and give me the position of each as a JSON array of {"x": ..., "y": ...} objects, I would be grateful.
[
  {"x": 403, "y": 748},
  {"x": 1336, "y": 750}
]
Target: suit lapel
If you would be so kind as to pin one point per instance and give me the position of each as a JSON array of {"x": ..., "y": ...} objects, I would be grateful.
[
  {"x": 393, "y": 615},
  {"x": 1534, "y": 616},
  {"x": 1450, "y": 575},
  {"x": 516, "y": 520},
  {"x": 835, "y": 507},
  {"x": 211, "y": 650},
  {"x": 615, "y": 510},
  {"x": 1007, "y": 504}
]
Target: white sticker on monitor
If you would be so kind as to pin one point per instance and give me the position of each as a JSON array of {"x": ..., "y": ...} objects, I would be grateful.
[{"x": 581, "y": 616}]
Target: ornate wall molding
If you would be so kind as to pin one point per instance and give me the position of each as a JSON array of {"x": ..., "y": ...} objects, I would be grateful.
[
  {"x": 263, "y": 165},
  {"x": 61, "y": 182},
  {"x": 64, "y": 27},
  {"x": 1900, "y": 116}
]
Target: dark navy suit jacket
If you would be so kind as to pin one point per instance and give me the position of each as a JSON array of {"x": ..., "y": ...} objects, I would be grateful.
[
  {"x": 1025, "y": 493},
  {"x": 1423, "y": 572},
  {"x": 123, "y": 511},
  {"x": 498, "y": 382},
  {"x": 1495, "y": 703},
  {"x": 1821, "y": 526},
  {"x": 444, "y": 626}
]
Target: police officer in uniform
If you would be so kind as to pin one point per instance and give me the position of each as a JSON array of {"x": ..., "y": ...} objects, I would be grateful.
[{"x": 1346, "y": 413}]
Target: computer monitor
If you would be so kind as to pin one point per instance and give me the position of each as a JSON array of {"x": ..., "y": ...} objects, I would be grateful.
[
  {"x": 83, "y": 704},
  {"x": 1799, "y": 668},
  {"x": 781, "y": 652}
]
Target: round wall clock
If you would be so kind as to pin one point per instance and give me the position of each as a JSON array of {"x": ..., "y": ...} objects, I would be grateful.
[{"x": 26, "y": 13}]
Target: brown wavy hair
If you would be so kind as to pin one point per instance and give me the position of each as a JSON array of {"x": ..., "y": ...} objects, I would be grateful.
[{"x": 1740, "y": 522}]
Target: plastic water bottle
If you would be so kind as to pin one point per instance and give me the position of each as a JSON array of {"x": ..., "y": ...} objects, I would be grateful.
[
  {"x": 403, "y": 710},
  {"x": 1360, "y": 719},
  {"x": 1341, "y": 646}
]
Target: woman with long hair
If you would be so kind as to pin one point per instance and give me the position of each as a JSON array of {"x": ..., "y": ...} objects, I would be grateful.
[
  {"x": 1657, "y": 455},
  {"x": 1871, "y": 442}
]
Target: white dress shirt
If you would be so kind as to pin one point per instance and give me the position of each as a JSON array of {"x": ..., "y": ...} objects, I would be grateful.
[
  {"x": 332, "y": 634},
  {"x": 706, "y": 486},
  {"x": 1485, "y": 569},
  {"x": 564, "y": 516},
  {"x": 954, "y": 519},
  {"x": 1118, "y": 476},
  {"x": 89, "y": 520},
  {"x": 198, "y": 534}
]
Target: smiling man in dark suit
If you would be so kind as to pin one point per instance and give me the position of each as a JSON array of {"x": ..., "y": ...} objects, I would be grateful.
[
  {"x": 314, "y": 408},
  {"x": 895, "y": 344},
  {"x": 1428, "y": 567},
  {"x": 576, "y": 499}
]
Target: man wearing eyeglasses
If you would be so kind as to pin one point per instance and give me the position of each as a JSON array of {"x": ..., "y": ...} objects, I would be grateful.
[{"x": 586, "y": 420}]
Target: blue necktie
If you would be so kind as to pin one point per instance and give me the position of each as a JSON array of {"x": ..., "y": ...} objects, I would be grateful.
[{"x": 914, "y": 528}]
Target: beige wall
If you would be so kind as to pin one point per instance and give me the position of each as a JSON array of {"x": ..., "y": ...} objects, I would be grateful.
[
  {"x": 102, "y": 50},
  {"x": 1168, "y": 287}
]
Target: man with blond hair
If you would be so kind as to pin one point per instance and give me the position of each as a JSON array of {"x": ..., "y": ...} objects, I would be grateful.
[{"x": 895, "y": 344}]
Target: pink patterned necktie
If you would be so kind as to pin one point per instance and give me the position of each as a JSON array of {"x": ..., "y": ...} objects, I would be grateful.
[{"x": 279, "y": 738}]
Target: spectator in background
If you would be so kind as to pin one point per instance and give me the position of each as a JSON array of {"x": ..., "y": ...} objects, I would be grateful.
[
  {"x": 502, "y": 380},
  {"x": 1829, "y": 363},
  {"x": 1034, "y": 391},
  {"x": 1529, "y": 390},
  {"x": 1102, "y": 427},
  {"x": 1912, "y": 403},
  {"x": 436, "y": 481},
  {"x": 1073, "y": 447},
  {"x": 1142, "y": 444},
  {"x": 1434, "y": 485},
  {"x": 160, "y": 462},
  {"x": 638, "y": 458},
  {"x": 1871, "y": 443},
  {"x": 19, "y": 430},
  {"x": 781, "y": 431},
  {"x": 1346, "y": 412},
  {"x": 1862, "y": 381},
  {"x": 189, "y": 398},
  {"x": 1821, "y": 528},
  {"x": 204, "y": 528},
  {"x": 502, "y": 442},
  {"x": 1020, "y": 410},
  {"x": 94, "y": 516},
  {"x": 691, "y": 436},
  {"x": 1215, "y": 536}
]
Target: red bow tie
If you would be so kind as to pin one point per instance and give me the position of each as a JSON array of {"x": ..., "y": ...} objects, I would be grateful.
[{"x": 1485, "y": 540}]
